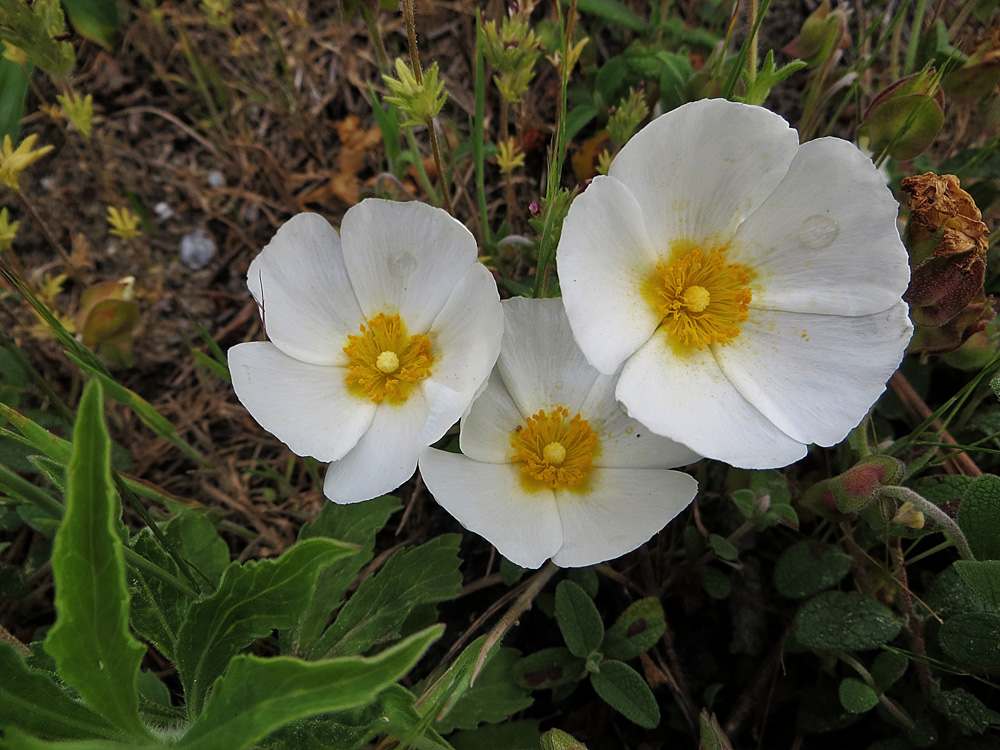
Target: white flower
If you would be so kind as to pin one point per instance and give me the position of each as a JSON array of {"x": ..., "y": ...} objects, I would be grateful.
[
  {"x": 552, "y": 466},
  {"x": 380, "y": 339},
  {"x": 751, "y": 286}
]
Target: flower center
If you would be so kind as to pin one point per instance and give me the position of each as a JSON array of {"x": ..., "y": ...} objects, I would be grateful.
[
  {"x": 385, "y": 362},
  {"x": 703, "y": 299},
  {"x": 556, "y": 451}
]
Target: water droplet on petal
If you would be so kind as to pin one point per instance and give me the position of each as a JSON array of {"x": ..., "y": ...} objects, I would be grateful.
[
  {"x": 559, "y": 385},
  {"x": 732, "y": 152},
  {"x": 402, "y": 265},
  {"x": 818, "y": 232}
]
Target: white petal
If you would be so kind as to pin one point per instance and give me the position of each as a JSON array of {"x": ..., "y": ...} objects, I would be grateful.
[
  {"x": 604, "y": 259},
  {"x": 624, "y": 442},
  {"x": 385, "y": 456},
  {"x": 489, "y": 500},
  {"x": 300, "y": 283},
  {"x": 698, "y": 170},
  {"x": 466, "y": 338},
  {"x": 825, "y": 241},
  {"x": 405, "y": 258},
  {"x": 622, "y": 509},
  {"x": 305, "y": 406},
  {"x": 490, "y": 423},
  {"x": 816, "y": 376},
  {"x": 690, "y": 400},
  {"x": 541, "y": 365}
]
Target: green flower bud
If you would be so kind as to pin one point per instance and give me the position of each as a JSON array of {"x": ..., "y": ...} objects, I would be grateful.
[
  {"x": 556, "y": 739},
  {"x": 627, "y": 116},
  {"x": 905, "y": 117},
  {"x": 420, "y": 101},
  {"x": 857, "y": 487}
]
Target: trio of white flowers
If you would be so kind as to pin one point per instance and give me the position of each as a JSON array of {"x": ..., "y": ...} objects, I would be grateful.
[{"x": 727, "y": 293}]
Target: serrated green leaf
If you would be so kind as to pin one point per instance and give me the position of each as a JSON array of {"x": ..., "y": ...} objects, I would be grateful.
[
  {"x": 258, "y": 696},
  {"x": 887, "y": 668},
  {"x": 965, "y": 711},
  {"x": 723, "y": 547},
  {"x": 846, "y": 622},
  {"x": 979, "y": 517},
  {"x": 983, "y": 577},
  {"x": 636, "y": 630},
  {"x": 97, "y": 20},
  {"x": 622, "y": 688},
  {"x": 90, "y": 640},
  {"x": 358, "y": 524},
  {"x": 375, "y": 614},
  {"x": 493, "y": 697},
  {"x": 158, "y": 610},
  {"x": 31, "y": 701},
  {"x": 579, "y": 621},
  {"x": 940, "y": 490},
  {"x": 808, "y": 567},
  {"x": 972, "y": 638},
  {"x": 252, "y": 599},
  {"x": 856, "y": 697},
  {"x": 548, "y": 668}
]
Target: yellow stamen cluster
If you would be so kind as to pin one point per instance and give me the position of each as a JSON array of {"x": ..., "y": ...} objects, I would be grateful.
[
  {"x": 556, "y": 451},
  {"x": 703, "y": 299},
  {"x": 385, "y": 362}
]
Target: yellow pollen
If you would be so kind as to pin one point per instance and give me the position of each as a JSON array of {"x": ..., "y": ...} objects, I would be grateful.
[
  {"x": 555, "y": 451},
  {"x": 696, "y": 298},
  {"x": 703, "y": 300},
  {"x": 385, "y": 362}
]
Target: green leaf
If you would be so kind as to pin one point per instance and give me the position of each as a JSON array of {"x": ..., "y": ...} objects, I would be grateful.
[
  {"x": 252, "y": 599},
  {"x": 983, "y": 577},
  {"x": 402, "y": 720},
  {"x": 636, "y": 630},
  {"x": 612, "y": 11},
  {"x": 13, "y": 94},
  {"x": 965, "y": 711},
  {"x": 195, "y": 539},
  {"x": 358, "y": 524},
  {"x": 887, "y": 668},
  {"x": 557, "y": 739},
  {"x": 979, "y": 517},
  {"x": 846, "y": 622},
  {"x": 158, "y": 610},
  {"x": 97, "y": 20},
  {"x": 375, "y": 614},
  {"x": 31, "y": 701},
  {"x": 90, "y": 641},
  {"x": 513, "y": 735},
  {"x": 579, "y": 621},
  {"x": 510, "y": 573},
  {"x": 808, "y": 567},
  {"x": 15, "y": 739},
  {"x": 723, "y": 547},
  {"x": 585, "y": 578},
  {"x": 258, "y": 696},
  {"x": 745, "y": 501},
  {"x": 972, "y": 638},
  {"x": 857, "y": 697},
  {"x": 492, "y": 698},
  {"x": 716, "y": 583},
  {"x": 548, "y": 668},
  {"x": 622, "y": 688}
]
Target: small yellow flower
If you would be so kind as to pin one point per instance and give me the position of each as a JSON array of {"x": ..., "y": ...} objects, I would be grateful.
[
  {"x": 124, "y": 223},
  {"x": 79, "y": 110},
  {"x": 510, "y": 156},
  {"x": 420, "y": 101},
  {"x": 13, "y": 161},
  {"x": 604, "y": 162},
  {"x": 8, "y": 230}
]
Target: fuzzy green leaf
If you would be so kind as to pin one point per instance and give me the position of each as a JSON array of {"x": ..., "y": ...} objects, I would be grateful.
[
  {"x": 258, "y": 696},
  {"x": 90, "y": 641},
  {"x": 847, "y": 622},
  {"x": 158, "y": 610},
  {"x": 983, "y": 577},
  {"x": 252, "y": 599},
  {"x": 808, "y": 567},
  {"x": 97, "y": 20},
  {"x": 965, "y": 710},
  {"x": 979, "y": 517},
  {"x": 856, "y": 697},
  {"x": 492, "y": 698},
  {"x": 972, "y": 638},
  {"x": 622, "y": 688},
  {"x": 548, "y": 668},
  {"x": 887, "y": 668},
  {"x": 636, "y": 630},
  {"x": 31, "y": 701},
  {"x": 612, "y": 11},
  {"x": 579, "y": 621},
  {"x": 376, "y": 613}
]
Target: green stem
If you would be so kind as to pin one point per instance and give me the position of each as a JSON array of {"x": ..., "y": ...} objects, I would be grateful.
[
  {"x": 479, "y": 139},
  {"x": 15, "y": 486},
  {"x": 752, "y": 53},
  {"x": 368, "y": 15},
  {"x": 138, "y": 561},
  {"x": 928, "y": 508},
  {"x": 914, "y": 45}
]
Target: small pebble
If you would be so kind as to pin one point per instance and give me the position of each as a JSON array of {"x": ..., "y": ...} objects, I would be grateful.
[
  {"x": 163, "y": 211},
  {"x": 215, "y": 179},
  {"x": 197, "y": 249}
]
